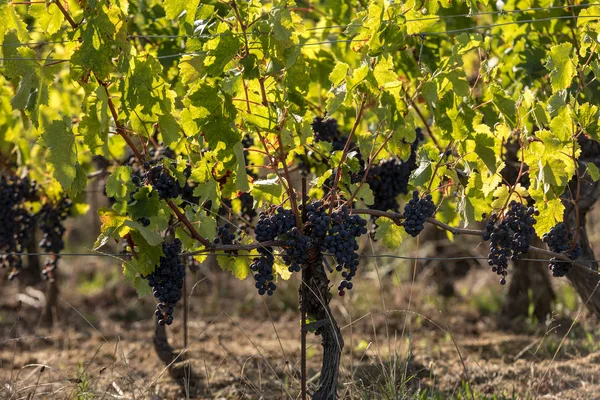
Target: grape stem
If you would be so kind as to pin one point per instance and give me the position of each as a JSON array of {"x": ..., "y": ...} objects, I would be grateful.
[
  {"x": 64, "y": 12},
  {"x": 338, "y": 171},
  {"x": 396, "y": 217},
  {"x": 193, "y": 232},
  {"x": 372, "y": 157}
]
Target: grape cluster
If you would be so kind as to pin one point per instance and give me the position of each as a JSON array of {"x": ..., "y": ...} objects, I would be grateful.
[
  {"x": 510, "y": 237},
  {"x": 296, "y": 253},
  {"x": 317, "y": 221},
  {"x": 163, "y": 182},
  {"x": 248, "y": 211},
  {"x": 341, "y": 243},
  {"x": 263, "y": 271},
  {"x": 559, "y": 240},
  {"x": 390, "y": 177},
  {"x": 16, "y": 220},
  {"x": 416, "y": 212},
  {"x": 167, "y": 281},
  {"x": 247, "y": 142},
  {"x": 51, "y": 222},
  {"x": 325, "y": 130},
  {"x": 224, "y": 236},
  {"x": 139, "y": 170},
  {"x": 269, "y": 226}
]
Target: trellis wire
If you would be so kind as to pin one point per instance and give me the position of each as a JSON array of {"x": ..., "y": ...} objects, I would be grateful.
[
  {"x": 440, "y": 17},
  {"x": 332, "y": 42},
  {"x": 222, "y": 252}
]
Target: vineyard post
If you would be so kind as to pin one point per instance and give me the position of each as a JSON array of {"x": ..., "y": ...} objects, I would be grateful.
[{"x": 302, "y": 306}]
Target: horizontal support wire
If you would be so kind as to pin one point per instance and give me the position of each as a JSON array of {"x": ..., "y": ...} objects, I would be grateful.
[
  {"x": 342, "y": 27},
  {"x": 225, "y": 253},
  {"x": 332, "y": 42}
]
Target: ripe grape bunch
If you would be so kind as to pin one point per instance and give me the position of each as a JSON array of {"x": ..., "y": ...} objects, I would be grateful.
[
  {"x": 341, "y": 243},
  {"x": 509, "y": 237},
  {"x": 416, "y": 212},
  {"x": 327, "y": 130},
  {"x": 224, "y": 236},
  {"x": 163, "y": 182},
  {"x": 16, "y": 220},
  {"x": 166, "y": 281},
  {"x": 52, "y": 218},
  {"x": 296, "y": 252},
  {"x": 269, "y": 226},
  {"x": 390, "y": 177},
  {"x": 560, "y": 240}
]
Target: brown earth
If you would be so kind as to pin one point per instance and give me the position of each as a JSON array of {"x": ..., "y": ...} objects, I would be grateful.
[{"x": 241, "y": 347}]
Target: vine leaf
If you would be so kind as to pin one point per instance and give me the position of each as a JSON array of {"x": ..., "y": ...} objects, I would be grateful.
[
  {"x": 150, "y": 237},
  {"x": 141, "y": 286},
  {"x": 112, "y": 227},
  {"x": 592, "y": 170},
  {"x": 561, "y": 65},
  {"x": 116, "y": 183},
  {"x": 390, "y": 234},
  {"x": 241, "y": 178},
  {"x": 58, "y": 138},
  {"x": 504, "y": 195},
  {"x": 551, "y": 213},
  {"x": 148, "y": 256},
  {"x": 238, "y": 266},
  {"x": 174, "y": 9},
  {"x": 101, "y": 42},
  {"x": 48, "y": 16},
  {"x": 267, "y": 190}
]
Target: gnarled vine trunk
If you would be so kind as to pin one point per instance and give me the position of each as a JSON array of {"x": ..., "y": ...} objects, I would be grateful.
[
  {"x": 32, "y": 274},
  {"x": 530, "y": 282},
  {"x": 315, "y": 298},
  {"x": 586, "y": 282}
]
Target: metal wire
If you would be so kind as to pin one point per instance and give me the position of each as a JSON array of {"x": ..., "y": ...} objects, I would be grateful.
[
  {"x": 392, "y": 256},
  {"x": 35, "y": 43},
  {"x": 501, "y": 12},
  {"x": 331, "y": 42},
  {"x": 35, "y": 59},
  {"x": 453, "y": 31},
  {"x": 344, "y": 27}
]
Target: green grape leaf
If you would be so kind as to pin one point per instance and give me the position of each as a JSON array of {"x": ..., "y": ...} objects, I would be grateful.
[
  {"x": 339, "y": 73},
  {"x": 148, "y": 256},
  {"x": 561, "y": 65},
  {"x": 175, "y": 9},
  {"x": 112, "y": 227},
  {"x": 238, "y": 266},
  {"x": 504, "y": 196},
  {"x": 390, "y": 234},
  {"x": 117, "y": 182},
  {"x": 484, "y": 148},
  {"x": 592, "y": 170},
  {"x": 146, "y": 202},
  {"x": 551, "y": 213},
  {"x": 267, "y": 190},
  {"x": 220, "y": 50},
  {"x": 366, "y": 194},
  {"x": 241, "y": 178},
  {"x": 141, "y": 286},
  {"x": 58, "y": 138},
  {"x": 48, "y": 16},
  {"x": 169, "y": 128},
  {"x": 80, "y": 181},
  {"x": 150, "y": 237}
]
